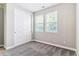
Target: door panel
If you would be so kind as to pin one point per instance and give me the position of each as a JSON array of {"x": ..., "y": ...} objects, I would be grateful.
[{"x": 22, "y": 27}]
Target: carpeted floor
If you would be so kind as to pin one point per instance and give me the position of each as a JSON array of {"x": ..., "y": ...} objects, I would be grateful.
[{"x": 34, "y": 48}]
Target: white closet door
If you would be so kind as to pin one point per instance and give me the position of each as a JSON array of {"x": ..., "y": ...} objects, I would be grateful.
[{"x": 22, "y": 27}]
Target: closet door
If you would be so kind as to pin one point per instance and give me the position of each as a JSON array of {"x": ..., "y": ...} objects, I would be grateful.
[
  {"x": 22, "y": 26},
  {"x": 1, "y": 26}
]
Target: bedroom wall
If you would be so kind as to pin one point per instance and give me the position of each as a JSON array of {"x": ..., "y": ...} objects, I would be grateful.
[
  {"x": 1, "y": 25},
  {"x": 65, "y": 36},
  {"x": 77, "y": 28}
]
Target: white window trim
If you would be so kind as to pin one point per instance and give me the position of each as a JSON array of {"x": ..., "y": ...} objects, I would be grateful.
[{"x": 44, "y": 24}]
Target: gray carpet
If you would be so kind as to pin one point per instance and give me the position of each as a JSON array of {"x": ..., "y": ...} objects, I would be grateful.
[{"x": 34, "y": 48}]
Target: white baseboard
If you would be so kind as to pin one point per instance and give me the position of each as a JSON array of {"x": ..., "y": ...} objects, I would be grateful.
[
  {"x": 73, "y": 49},
  {"x": 10, "y": 47},
  {"x": 15, "y": 45},
  {"x": 77, "y": 53}
]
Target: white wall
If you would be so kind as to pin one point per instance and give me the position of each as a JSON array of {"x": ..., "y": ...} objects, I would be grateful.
[
  {"x": 77, "y": 27},
  {"x": 9, "y": 25},
  {"x": 65, "y": 36}
]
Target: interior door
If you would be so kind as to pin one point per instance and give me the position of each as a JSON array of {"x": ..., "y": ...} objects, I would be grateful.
[{"x": 22, "y": 27}]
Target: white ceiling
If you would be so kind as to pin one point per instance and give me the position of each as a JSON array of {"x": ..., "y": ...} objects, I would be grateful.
[{"x": 36, "y": 6}]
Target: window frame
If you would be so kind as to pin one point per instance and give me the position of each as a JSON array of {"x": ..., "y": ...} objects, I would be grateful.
[
  {"x": 56, "y": 21},
  {"x": 44, "y": 21}
]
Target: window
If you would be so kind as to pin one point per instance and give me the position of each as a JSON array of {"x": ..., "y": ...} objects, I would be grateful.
[
  {"x": 51, "y": 22},
  {"x": 39, "y": 23},
  {"x": 46, "y": 22}
]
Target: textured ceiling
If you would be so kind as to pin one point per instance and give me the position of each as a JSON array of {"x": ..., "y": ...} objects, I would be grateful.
[{"x": 36, "y": 6}]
